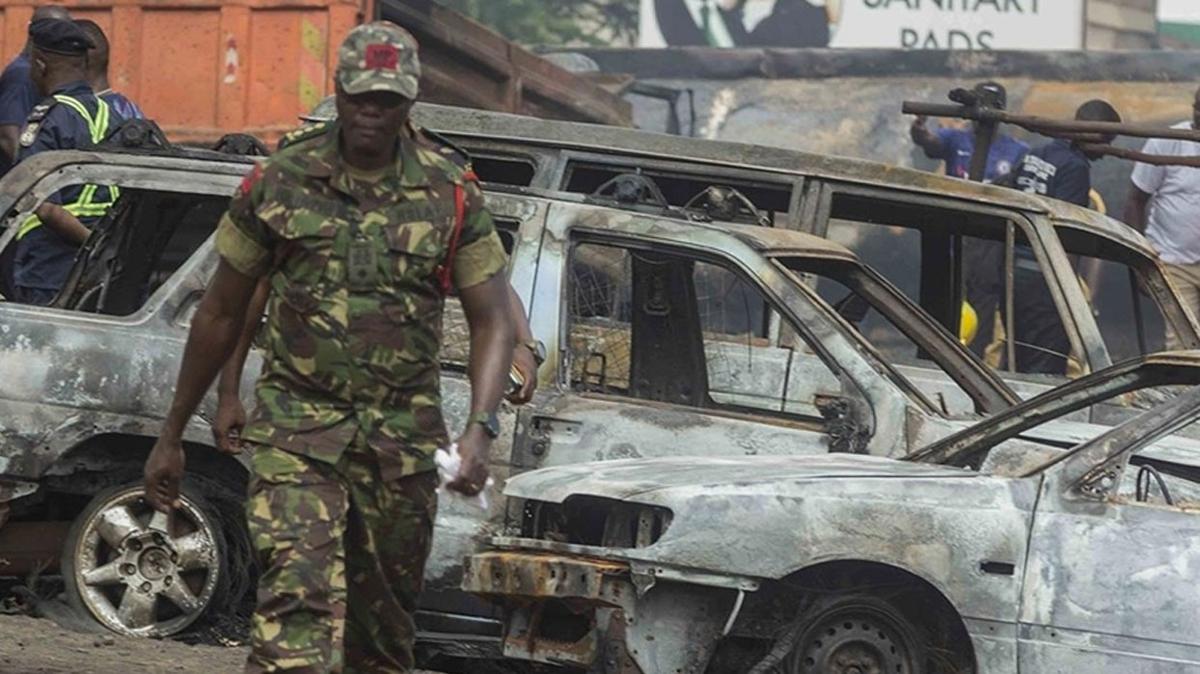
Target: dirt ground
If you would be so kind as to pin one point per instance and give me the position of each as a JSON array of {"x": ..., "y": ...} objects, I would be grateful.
[{"x": 31, "y": 645}]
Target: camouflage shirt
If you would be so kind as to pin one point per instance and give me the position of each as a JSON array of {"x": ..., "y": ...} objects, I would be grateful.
[{"x": 345, "y": 354}]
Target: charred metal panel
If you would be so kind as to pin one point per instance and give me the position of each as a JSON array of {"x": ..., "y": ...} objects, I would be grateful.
[
  {"x": 777, "y": 515},
  {"x": 669, "y": 627}
]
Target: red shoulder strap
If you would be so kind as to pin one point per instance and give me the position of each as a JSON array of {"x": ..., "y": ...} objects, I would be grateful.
[{"x": 460, "y": 210}]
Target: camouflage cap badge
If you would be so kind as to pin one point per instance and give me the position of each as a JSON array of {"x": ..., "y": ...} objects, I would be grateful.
[{"x": 379, "y": 56}]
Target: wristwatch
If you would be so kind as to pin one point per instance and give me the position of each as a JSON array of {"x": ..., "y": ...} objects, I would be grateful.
[
  {"x": 537, "y": 349},
  {"x": 489, "y": 421}
]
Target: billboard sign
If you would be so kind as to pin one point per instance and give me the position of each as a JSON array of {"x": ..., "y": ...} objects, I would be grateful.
[{"x": 886, "y": 24}]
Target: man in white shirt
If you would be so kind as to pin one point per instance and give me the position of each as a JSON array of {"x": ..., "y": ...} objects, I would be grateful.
[{"x": 1164, "y": 202}]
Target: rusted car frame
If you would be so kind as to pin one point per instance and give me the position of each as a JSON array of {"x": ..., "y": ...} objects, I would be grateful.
[
  {"x": 810, "y": 193},
  {"x": 85, "y": 383},
  {"x": 1056, "y": 555}
]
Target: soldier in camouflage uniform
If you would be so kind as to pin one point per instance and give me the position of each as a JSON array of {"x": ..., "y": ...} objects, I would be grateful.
[
  {"x": 230, "y": 418},
  {"x": 360, "y": 232}
]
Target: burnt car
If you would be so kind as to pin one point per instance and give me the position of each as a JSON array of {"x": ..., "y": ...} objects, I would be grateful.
[
  {"x": 668, "y": 334},
  {"x": 1025, "y": 543},
  {"x": 939, "y": 240}
]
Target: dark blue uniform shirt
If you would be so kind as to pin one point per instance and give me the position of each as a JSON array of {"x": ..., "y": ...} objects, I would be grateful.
[
  {"x": 17, "y": 98},
  {"x": 44, "y": 258},
  {"x": 1058, "y": 170},
  {"x": 959, "y": 144}
]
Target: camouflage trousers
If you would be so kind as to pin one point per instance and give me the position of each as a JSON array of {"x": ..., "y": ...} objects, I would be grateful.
[{"x": 343, "y": 557}]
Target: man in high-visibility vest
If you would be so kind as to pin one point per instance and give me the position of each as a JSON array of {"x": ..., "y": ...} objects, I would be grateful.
[
  {"x": 17, "y": 93},
  {"x": 70, "y": 116}
]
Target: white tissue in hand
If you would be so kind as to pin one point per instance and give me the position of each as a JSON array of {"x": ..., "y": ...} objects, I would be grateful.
[{"x": 448, "y": 462}]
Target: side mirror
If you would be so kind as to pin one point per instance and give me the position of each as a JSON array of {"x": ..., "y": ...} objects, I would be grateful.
[{"x": 846, "y": 434}]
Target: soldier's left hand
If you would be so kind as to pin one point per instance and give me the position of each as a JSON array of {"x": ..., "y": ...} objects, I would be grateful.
[{"x": 473, "y": 448}]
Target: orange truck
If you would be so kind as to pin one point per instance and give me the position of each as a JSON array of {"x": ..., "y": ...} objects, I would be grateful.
[{"x": 203, "y": 68}]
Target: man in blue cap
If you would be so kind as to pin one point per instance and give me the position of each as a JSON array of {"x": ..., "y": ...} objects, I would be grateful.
[
  {"x": 70, "y": 117},
  {"x": 17, "y": 93},
  {"x": 956, "y": 146}
]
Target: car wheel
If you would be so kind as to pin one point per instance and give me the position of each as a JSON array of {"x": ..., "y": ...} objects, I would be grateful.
[
  {"x": 857, "y": 634},
  {"x": 137, "y": 571}
]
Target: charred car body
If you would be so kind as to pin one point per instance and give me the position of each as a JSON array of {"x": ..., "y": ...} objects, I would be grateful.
[
  {"x": 767, "y": 367},
  {"x": 666, "y": 336},
  {"x": 932, "y": 236},
  {"x": 990, "y": 551}
]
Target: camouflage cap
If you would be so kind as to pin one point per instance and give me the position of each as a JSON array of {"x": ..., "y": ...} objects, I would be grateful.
[{"x": 379, "y": 56}]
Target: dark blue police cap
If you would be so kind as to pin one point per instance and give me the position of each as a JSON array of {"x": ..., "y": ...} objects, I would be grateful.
[{"x": 59, "y": 36}]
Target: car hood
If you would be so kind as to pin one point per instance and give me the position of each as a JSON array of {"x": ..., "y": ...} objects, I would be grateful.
[{"x": 632, "y": 477}]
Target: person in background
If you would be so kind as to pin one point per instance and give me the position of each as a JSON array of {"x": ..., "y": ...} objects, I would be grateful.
[
  {"x": 982, "y": 259},
  {"x": 1164, "y": 202},
  {"x": 97, "y": 68},
  {"x": 955, "y": 146},
  {"x": 70, "y": 117},
  {"x": 17, "y": 93},
  {"x": 1060, "y": 169}
]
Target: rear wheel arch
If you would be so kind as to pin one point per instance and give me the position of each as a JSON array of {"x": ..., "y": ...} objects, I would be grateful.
[{"x": 109, "y": 459}]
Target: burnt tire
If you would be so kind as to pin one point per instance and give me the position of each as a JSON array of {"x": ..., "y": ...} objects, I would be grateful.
[
  {"x": 857, "y": 634},
  {"x": 137, "y": 572}
]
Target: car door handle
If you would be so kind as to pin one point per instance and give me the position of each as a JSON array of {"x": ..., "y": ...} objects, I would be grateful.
[{"x": 997, "y": 568}]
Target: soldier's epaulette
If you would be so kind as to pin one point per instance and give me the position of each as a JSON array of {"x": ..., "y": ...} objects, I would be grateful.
[
  {"x": 303, "y": 133},
  {"x": 448, "y": 149},
  {"x": 37, "y": 117}
]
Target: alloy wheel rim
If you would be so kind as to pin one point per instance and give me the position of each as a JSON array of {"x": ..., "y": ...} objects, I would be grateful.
[{"x": 143, "y": 574}]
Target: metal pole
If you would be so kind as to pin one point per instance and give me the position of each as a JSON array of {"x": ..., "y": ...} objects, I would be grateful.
[
  {"x": 985, "y": 135},
  {"x": 1043, "y": 125}
]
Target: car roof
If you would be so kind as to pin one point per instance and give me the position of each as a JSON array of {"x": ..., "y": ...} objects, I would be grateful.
[
  {"x": 464, "y": 122},
  {"x": 1070, "y": 216},
  {"x": 767, "y": 239}
]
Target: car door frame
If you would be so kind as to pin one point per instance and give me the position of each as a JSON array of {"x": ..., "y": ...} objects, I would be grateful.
[
  {"x": 887, "y": 401},
  {"x": 1079, "y": 516},
  {"x": 1074, "y": 310},
  {"x": 158, "y": 327}
]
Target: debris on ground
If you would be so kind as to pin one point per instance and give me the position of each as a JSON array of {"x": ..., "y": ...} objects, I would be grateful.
[{"x": 34, "y": 646}]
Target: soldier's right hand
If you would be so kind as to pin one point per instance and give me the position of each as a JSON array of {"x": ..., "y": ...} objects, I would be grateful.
[
  {"x": 163, "y": 473},
  {"x": 228, "y": 424}
]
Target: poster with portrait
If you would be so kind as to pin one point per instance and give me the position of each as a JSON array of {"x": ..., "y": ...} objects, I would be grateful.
[{"x": 864, "y": 24}]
